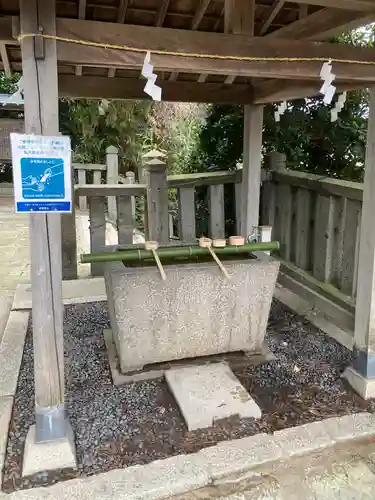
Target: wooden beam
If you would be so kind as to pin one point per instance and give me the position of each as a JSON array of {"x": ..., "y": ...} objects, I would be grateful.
[
  {"x": 274, "y": 10},
  {"x": 161, "y": 12},
  {"x": 359, "y": 5},
  {"x": 41, "y": 117},
  {"x": 6, "y": 30},
  {"x": 93, "y": 87},
  {"x": 185, "y": 41},
  {"x": 5, "y": 60},
  {"x": 323, "y": 24},
  {"x": 271, "y": 91},
  {"x": 318, "y": 26}
]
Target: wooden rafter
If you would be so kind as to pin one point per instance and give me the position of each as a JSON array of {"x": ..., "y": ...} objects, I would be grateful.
[
  {"x": 323, "y": 24},
  {"x": 122, "y": 10},
  {"x": 275, "y": 9},
  {"x": 161, "y": 13},
  {"x": 5, "y": 60},
  {"x": 198, "y": 16},
  {"x": 359, "y": 5},
  {"x": 212, "y": 44},
  {"x": 132, "y": 88},
  {"x": 317, "y": 26},
  {"x": 121, "y": 16},
  {"x": 199, "y": 13},
  {"x": 81, "y": 15}
]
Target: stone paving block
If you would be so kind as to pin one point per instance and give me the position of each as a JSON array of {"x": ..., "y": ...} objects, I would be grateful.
[
  {"x": 352, "y": 481},
  {"x": 6, "y": 405},
  {"x": 356, "y": 426},
  {"x": 209, "y": 392},
  {"x": 158, "y": 480},
  {"x": 303, "y": 439},
  {"x": 237, "y": 456},
  {"x": 11, "y": 350}
]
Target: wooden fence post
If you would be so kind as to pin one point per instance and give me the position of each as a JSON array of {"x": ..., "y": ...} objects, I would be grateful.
[
  {"x": 157, "y": 200},
  {"x": 112, "y": 178},
  {"x": 126, "y": 214},
  {"x": 186, "y": 214}
]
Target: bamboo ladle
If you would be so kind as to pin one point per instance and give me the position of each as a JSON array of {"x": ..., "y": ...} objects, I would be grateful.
[
  {"x": 207, "y": 243},
  {"x": 153, "y": 246}
]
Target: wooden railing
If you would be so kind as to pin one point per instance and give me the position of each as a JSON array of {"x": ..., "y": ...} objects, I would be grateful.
[
  {"x": 124, "y": 196},
  {"x": 186, "y": 193},
  {"x": 111, "y": 177},
  {"x": 317, "y": 221},
  {"x": 157, "y": 221}
]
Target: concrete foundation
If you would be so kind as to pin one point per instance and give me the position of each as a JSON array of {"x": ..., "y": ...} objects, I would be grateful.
[
  {"x": 196, "y": 312},
  {"x": 39, "y": 457}
]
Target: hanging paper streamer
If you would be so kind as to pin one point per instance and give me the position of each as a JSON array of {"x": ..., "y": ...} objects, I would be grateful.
[
  {"x": 154, "y": 91},
  {"x": 339, "y": 105},
  {"x": 17, "y": 96},
  {"x": 281, "y": 108},
  {"x": 328, "y": 90}
]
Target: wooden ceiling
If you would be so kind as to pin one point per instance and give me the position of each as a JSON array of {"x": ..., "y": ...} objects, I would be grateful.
[{"x": 273, "y": 19}]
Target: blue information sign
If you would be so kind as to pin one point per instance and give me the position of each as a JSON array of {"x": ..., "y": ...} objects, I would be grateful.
[{"x": 41, "y": 173}]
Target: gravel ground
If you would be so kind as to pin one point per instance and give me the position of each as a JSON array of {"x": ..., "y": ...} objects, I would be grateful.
[{"x": 138, "y": 423}]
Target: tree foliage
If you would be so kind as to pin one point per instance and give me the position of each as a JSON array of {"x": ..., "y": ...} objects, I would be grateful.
[{"x": 305, "y": 133}]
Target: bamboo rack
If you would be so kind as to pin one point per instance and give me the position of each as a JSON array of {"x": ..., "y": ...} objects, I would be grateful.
[{"x": 133, "y": 254}]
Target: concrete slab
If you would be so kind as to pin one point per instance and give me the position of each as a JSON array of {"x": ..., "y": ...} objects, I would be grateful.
[
  {"x": 11, "y": 351},
  {"x": 208, "y": 393},
  {"x": 52, "y": 455},
  {"x": 79, "y": 291},
  {"x": 5, "y": 307}
]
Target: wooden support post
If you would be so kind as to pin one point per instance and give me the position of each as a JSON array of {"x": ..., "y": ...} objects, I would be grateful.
[
  {"x": 362, "y": 373},
  {"x": 112, "y": 178},
  {"x": 186, "y": 214},
  {"x": 216, "y": 209},
  {"x": 126, "y": 214},
  {"x": 41, "y": 117},
  {"x": 157, "y": 201},
  {"x": 250, "y": 193}
]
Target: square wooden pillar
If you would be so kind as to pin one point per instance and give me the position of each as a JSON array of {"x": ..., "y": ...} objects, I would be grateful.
[
  {"x": 252, "y": 149},
  {"x": 39, "y": 68},
  {"x": 361, "y": 375}
]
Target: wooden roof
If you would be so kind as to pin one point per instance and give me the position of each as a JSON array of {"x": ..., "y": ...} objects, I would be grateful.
[{"x": 273, "y": 19}]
